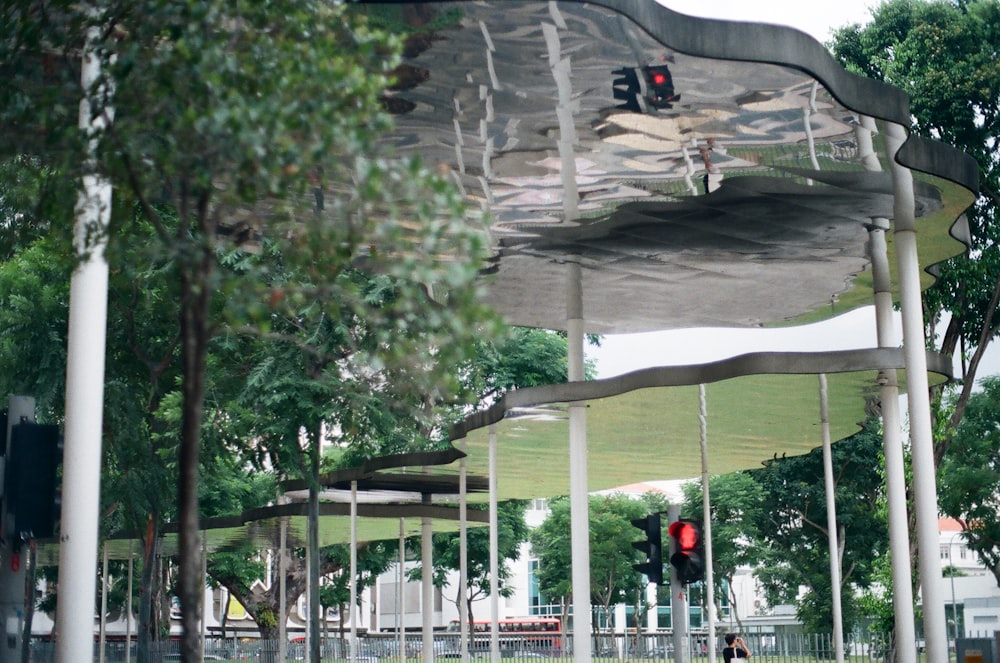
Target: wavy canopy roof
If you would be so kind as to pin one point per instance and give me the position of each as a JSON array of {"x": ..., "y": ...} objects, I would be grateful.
[{"x": 704, "y": 173}]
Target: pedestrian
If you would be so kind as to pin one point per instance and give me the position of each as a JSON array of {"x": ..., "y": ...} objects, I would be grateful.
[{"x": 735, "y": 648}]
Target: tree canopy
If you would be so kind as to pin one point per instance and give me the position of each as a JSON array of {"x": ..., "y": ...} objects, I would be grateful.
[
  {"x": 969, "y": 479},
  {"x": 943, "y": 54},
  {"x": 237, "y": 136}
]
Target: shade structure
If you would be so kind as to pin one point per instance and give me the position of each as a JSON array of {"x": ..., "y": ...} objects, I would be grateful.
[
  {"x": 645, "y": 426},
  {"x": 733, "y": 194},
  {"x": 701, "y": 172}
]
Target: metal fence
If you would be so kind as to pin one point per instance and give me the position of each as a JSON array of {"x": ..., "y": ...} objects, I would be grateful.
[{"x": 610, "y": 648}]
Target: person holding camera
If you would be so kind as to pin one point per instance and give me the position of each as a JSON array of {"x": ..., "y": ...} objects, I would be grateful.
[{"x": 735, "y": 648}]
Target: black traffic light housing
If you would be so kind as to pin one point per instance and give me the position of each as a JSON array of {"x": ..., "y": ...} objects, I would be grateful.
[
  {"x": 626, "y": 89},
  {"x": 659, "y": 86},
  {"x": 688, "y": 550},
  {"x": 652, "y": 546},
  {"x": 31, "y": 481},
  {"x": 641, "y": 89}
]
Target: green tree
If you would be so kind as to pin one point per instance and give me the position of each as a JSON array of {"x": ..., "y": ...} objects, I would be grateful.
[
  {"x": 969, "y": 479},
  {"x": 736, "y": 503},
  {"x": 512, "y": 531},
  {"x": 236, "y": 120},
  {"x": 613, "y": 580},
  {"x": 142, "y": 366},
  {"x": 792, "y": 533},
  {"x": 943, "y": 55}
]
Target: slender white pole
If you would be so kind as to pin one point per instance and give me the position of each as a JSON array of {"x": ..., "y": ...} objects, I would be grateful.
[
  {"x": 104, "y": 604},
  {"x": 204, "y": 584},
  {"x": 463, "y": 554},
  {"x": 79, "y": 521},
  {"x": 494, "y": 554},
  {"x": 831, "y": 522},
  {"x": 353, "y": 610},
  {"x": 892, "y": 426},
  {"x": 401, "y": 593},
  {"x": 918, "y": 398},
  {"x": 309, "y": 605},
  {"x": 706, "y": 519},
  {"x": 282, "y": 572},
  {"x": 128, "y": 611},
  {"x": 427, "y": 587},
  {"x": 579, "y": 500}
]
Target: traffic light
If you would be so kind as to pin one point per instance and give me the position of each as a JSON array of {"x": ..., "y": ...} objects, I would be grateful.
[
  {"x": 627, "y": 89},
  {"x": 641, "y": 89},
  {"x": 659, "y": 86},
  {"x": 31, "y": 484},
  {"x": 688, "y": 555},
  {"x": 652, "y": 546}
]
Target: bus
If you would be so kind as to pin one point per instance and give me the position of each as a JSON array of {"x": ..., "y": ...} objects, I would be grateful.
[{"x": 529, "y": 633}]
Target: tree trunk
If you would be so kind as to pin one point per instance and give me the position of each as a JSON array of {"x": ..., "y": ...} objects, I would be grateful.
[
  {"x": 196, "y": 297},
  {"x": 146, "y": 628},
  {"x": 270, "y": 645}
]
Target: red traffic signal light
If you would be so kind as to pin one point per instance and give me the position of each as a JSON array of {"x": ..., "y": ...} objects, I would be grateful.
[{"x": 688, "y": 550}]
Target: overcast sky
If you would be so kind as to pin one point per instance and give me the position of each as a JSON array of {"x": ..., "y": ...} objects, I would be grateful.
[
  {"x": 816, "y": 17},
  {"x": 628, "y": 352}
]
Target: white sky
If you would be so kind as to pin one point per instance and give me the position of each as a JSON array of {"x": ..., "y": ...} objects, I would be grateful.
[
  {"x": 816, "y": 17},
  {"x": 628, "y": 352}
]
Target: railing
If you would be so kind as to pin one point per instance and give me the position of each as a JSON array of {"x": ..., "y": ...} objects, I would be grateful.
[{"x": 610, "y": 648}]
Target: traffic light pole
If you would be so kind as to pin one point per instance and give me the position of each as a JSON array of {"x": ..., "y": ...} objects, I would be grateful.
[
  {"x": 678, "y": 599},
  {"x": 12, "y": 569}
]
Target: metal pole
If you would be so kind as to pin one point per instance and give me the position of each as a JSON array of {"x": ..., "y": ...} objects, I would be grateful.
[
  {"x": 494, "y": 555},
  {"x": 13, "y": 572},
  {"x": 918, "y": 398},
  {"x": 79, "y": 521},
  {"x": 463, "y": 553},
  {"x": 895, "y": 469},
  {"x": 104, "y": 604},
  {"x": 954, "y": 604},
  {"x": 427, "y": 586},
  {"x": 128, "y": 612},
  {"x": 579, "y": 500},
  {"x": 679, "y": 615},
  {"x": 831, "y": 522},
  {"x": 400, "y": 612},
  {"x": 706, "y": 528},
  {"x": 353, "y": 610},
  {"x": 282, "y": 571}
]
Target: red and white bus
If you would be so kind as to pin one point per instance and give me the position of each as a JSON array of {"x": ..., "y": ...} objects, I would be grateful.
[{"x": 518, "y": 632}]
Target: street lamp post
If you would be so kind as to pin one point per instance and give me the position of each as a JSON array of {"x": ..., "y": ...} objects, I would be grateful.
[{"x": 954, "y": 611}]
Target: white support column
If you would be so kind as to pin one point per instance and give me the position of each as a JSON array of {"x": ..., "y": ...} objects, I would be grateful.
[
  {"x": 282, "y": 572},
  {"x": 401, "y": 593},
  {"x": 831, "y": 522},
  {"x": 579, "y": 499},
  {"x": 427, "y": 588},
  {"x": 103, "y": 620},
  {"x": 706, "y": 519},
  {"x": 921, "y": 439},
  {"x": 892, "y": 426},
  {"x": 463, "y": 552},
  {"x": 353, "y": 609},
  {"x": 80, "y": 519},
  {"x": 128, "y": 607},
  {"x": 494, "y": 554}
]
